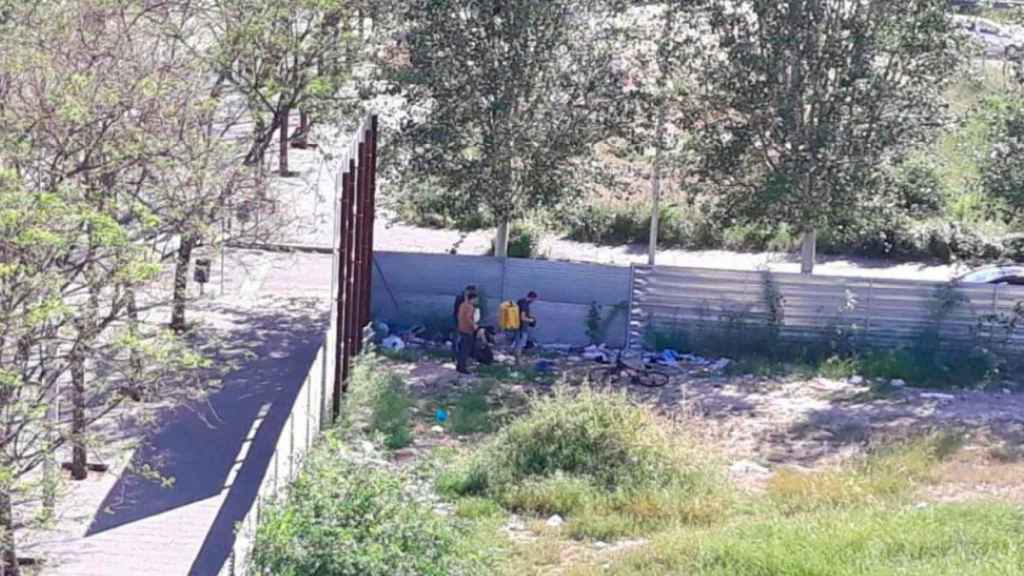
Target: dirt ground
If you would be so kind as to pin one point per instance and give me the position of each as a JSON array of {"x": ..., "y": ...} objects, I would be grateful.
[{"x": 760, "y": 424}]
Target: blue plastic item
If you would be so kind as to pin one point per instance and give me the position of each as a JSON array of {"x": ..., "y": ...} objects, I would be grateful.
[
  {"x": 545, "y": 366},
  {"x": 441, "y": 415}
]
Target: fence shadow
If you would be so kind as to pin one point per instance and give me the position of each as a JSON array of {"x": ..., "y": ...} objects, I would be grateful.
[{"x": 198, "y": 446}]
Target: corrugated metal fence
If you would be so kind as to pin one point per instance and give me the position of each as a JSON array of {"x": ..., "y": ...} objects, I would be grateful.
[
  {"x": 420, "y": 288},
  {"x": 874, "y": 312}
]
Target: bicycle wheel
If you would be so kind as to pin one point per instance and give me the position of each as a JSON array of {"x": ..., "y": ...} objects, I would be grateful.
[
  {"x": 650, "y": 378},
  {"x": 603, "y": 376}
]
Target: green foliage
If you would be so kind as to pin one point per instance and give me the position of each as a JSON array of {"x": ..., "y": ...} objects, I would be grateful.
[
  {"x": 778, "y": 158},
  {"x": 339, "y": 519},
  {"x": 489, "y": 134},
  {"x": 941, "y": 540},
  {"x": 378, "y": 402},
  {"x": 596, "y": 326},
  {"x": 595, "y": 458},
  {"x": 890, "y": 474},
  {"x": 471, "y": 413},
  {"x": 524, "y": 240}
]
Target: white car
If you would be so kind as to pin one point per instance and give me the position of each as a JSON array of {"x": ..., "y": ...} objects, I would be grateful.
[{"x": 1008, "y": 274}]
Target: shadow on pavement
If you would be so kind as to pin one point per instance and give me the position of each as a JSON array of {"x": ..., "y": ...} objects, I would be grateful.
[{"x": 197, "y": 446}]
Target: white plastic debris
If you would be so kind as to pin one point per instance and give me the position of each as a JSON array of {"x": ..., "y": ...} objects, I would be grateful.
[
  {"x": 555, "y": 521},
  {"x": 897, "y": 383},
  {"x": 856, "y": 380},
  {"x": 596, "y": 353},
  {"x": 393, "y": 343},
  {"x": 720, "y": 365}
]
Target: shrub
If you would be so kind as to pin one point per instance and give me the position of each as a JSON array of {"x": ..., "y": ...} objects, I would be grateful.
[
  {"x": 943, "y": 540},
  {"x": 524, "y": 240},
  {"x": 838, "y": 368},
  {"x": 593, "y": 456},
  {"x": 341, "y": 520}
]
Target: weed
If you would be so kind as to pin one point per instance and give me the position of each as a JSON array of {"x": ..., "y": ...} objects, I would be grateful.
[
  {"x": 471, "y": 413},
  {"x": 595, "y": 458},
  {"x": 948, "y": 540},
  {"x": 837, "y": 368},
  {"x": 477, "y": 508},
  {"x": 341, "y": 520},
  {"x": 377, "y": 402},
  {"x": 887, "y": 475}
]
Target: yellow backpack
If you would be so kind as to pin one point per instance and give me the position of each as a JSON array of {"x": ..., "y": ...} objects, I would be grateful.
[{"x": 508, "y": 316}]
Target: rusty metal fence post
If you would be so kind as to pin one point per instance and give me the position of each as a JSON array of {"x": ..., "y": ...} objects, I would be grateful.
[{"x": 354, "y": 252}]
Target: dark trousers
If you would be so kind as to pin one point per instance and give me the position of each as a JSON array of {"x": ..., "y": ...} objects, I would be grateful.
[{"x": 467, "y": 342}]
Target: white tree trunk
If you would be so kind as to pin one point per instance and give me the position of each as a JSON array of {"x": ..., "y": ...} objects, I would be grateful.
[
  {"x": 808, "y": 252},
  {"x": 502, "y": 240},
  {"x": 659, "y": 136}
]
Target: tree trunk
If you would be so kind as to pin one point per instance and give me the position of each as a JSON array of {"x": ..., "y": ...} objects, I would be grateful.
[
  {"x": 79, "y": 456},
  {"x": 81, "y": 351},
  {"x": 9, "y": 556},
  {"x": 501, "y": 240},
  {"x": 301, "y": 137},
  {"x": 659, "y": 136},
  {"x": 181, "y": 283},
  {"x": 283, "y": 168},
  {"x": 808, "y": 252}
]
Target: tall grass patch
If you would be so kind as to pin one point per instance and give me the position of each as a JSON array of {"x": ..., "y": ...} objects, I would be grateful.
[
  {"x": 887, "y": 475},
  {"x": 610, "y": 467},
  {"x": 947, "y": 540}
]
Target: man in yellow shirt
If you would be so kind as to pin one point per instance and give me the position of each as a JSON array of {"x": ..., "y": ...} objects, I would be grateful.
[{"x": 467, "y": 332}]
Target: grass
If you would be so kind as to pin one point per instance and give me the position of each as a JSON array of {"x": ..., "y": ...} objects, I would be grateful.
[
  {"x": 981, "y": 540},
  {"x": 471, "y": 413},
  {"x": 340, "y": 519},
  {"x": 377, "y": 402},
  {"x": 888, "y": 475},
  {"x": 609, "y": 467}
]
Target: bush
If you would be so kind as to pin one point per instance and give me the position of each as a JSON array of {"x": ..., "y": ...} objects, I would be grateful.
[
  {"x": 593, "y": 456},
  {"x": 342, "y": 520},
  {"x": 524, "y": 240}
]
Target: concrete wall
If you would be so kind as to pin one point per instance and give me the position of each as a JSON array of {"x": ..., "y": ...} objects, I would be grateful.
[{"x": 410, "y": 288}]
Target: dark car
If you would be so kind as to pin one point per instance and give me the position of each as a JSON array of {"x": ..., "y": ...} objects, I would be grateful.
[{"x": 1013, "y": 275}]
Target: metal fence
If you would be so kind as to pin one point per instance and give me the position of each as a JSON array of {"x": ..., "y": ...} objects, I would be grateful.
[
  {"x": 868, "y": 311},
  {"x": 318, "y": 403},
  {"x": 420, "y": 288}
]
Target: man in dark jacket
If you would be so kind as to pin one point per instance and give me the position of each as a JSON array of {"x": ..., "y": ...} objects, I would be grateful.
[{"x": 526, "y": 323}]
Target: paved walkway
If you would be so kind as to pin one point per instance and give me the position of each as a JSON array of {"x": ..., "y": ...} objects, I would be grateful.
[{"x": 270, "y": 321}]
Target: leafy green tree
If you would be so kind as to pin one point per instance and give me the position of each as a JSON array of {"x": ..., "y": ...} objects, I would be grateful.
[
  {"x": 805, "y": 100},
  {"x": 1003, "y": 171},
  {"x": 508, "y": 100},
  {"x": 281, "y": 56},
  {"x": 89, "y": 101}
]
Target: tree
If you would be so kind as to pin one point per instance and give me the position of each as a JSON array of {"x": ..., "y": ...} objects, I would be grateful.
[
  {"x": 282, "y": 56},
  {"x": 509, "y": 100},
  {"x": 87, "y": 89},
  {"x": 805, "y": 100},
  {"x": 1003, "y": 171}
]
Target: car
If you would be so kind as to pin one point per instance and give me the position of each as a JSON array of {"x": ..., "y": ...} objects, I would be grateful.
[{"x": 1005, "y": 274}]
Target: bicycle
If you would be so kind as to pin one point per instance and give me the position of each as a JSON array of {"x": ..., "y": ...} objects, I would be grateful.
[{"x": 646, "y": 376}]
